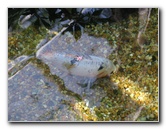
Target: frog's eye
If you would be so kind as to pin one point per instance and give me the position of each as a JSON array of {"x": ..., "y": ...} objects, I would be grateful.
[
  {"x": 111, "y": 72},
  {"x": 101, "y": 66}
]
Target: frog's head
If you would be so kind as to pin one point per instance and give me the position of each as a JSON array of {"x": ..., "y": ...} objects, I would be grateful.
[{"x": 111, "y": 67}]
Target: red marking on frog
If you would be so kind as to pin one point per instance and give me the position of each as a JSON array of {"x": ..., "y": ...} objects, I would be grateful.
[{"x": 78, "y": 58}]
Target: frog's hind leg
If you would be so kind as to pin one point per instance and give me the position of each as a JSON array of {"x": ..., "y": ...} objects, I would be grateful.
[{"x": 90, "y": 83}]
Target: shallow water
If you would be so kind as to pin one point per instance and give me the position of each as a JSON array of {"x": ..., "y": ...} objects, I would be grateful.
[
  {"x": 38, "y": 91},
  {"x": 32, "y": 94}
]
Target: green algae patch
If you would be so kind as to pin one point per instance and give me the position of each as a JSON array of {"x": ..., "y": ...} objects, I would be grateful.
[
  {"x": 137, "y": 75},
  {"x": 24, "y": 42},
  {"x": 130, "y": 94}
]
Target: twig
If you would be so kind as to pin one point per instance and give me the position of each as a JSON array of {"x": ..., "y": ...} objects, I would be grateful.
[{"x": 148, "y": 19}]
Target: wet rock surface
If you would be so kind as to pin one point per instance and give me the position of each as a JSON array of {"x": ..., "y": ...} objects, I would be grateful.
[
  {"x": 33, "y": 96},
  {"x": 37, "y": 91}
]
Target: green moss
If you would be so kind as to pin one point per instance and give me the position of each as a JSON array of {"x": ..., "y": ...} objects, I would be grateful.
[
  {"x": 137, "y": 77},
  {"x": 24, "y": 42}
]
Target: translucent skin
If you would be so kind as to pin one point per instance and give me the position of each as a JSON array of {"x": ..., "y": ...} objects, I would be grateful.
[
  {"x": 86, "y": 66},
  {"x": 94, "y": 67}
]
